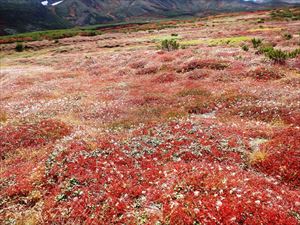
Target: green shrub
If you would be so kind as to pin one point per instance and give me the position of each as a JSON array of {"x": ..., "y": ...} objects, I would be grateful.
[
  {"x": 277, "y": 55},
  {"x": 245, "y": 48},
  {"x": 19, "y": 47},
  {"x": 265, "y": 48},
  {"x": 256, "y": 42},
  {"x": 169, "y": 44},
  {"x": 294, "y": 54},
  {"x": 287, "y": 36},
  {"x": 261, "y": 20},
  {"x": 286, "y": 14}
]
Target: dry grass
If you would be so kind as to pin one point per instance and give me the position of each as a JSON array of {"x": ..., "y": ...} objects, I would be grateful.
[
  {"x": 257, "y": 156},
  {"x": 3, "y": 116}
]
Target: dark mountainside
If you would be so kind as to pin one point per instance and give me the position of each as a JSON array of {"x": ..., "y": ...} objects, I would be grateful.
[
  {"x": 30, "y": 15},
  {"x": 27, "y": 15}
]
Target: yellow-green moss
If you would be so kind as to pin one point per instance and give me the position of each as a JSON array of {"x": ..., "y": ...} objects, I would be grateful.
[{"x": 216, "y": 41}]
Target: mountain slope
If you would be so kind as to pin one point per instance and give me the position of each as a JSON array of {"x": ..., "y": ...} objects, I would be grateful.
[
  {"x": 81, "y": 12},
  {"x": 27, "y": 15}
]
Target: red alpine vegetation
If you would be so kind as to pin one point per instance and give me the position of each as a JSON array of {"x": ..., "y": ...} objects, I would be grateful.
[
  {"x": 282, "y": 156},
  {"x": 31, "y": 135},
  {"x": 263, "y": 73},
  {"x": 202, "y": 64},
  {"x": 111, "y": 129}
]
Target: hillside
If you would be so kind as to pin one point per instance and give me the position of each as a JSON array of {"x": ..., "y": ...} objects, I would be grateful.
[
  {"x": 183, "y": 122},
  {"x": 96, "y": 11},
  {"x": 27, "y": 15},
  {"x": 30, "y": 15}
]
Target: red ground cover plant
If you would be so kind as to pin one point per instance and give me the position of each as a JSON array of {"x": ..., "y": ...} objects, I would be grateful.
[
  {"x": 265, "y": 113},
  {"x": 31, "y": 135},
  {"x": 169, "y": 174},
  {"x": 198, "y": 75},
  {"x": 207, "y": 102},
  {"x": 137, "y": 65},
  {"x": 147, "y": 70},
  {"x": 167, "y": 57},
  {"x": 282, "y": 156},
  {"x": 264, "y": 73},
  {"x": 165, "y": 78},
  {"x": 294, "y": 82},
  {"x": 292, "y": 118},
  {"x": 24, "y": 150},
  {"x": 202, "y": 64}
]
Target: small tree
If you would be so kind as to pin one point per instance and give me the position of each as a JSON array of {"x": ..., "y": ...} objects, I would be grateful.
[{"x": 169, "y": 44}]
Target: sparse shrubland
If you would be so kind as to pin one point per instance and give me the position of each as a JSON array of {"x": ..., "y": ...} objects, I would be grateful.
[
  {"x": 277, "y": 55},
  {"x": 286, "y": 14}
]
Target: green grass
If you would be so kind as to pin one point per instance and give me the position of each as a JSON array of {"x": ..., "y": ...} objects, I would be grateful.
[
  {"x": 162, "y": 38},
  {"x": 228, "y": 41},
  {"x": 111, "y": 25},
  {"x": 84, "y": 31},
  {"x": 48, "y": 35},
  {"x": 62, "y": 33},
  {"x": 191, "y": 42}
]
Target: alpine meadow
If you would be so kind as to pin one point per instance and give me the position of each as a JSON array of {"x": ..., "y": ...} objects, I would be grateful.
[{"x": 170, "y": 112}]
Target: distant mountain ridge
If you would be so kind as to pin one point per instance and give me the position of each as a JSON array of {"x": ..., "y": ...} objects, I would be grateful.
[
  {"x": 27, "y": 15},
  {"x": 81, "y": 12}
]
